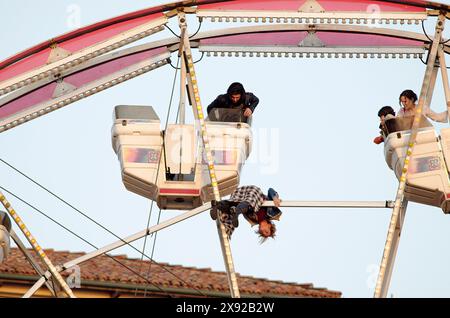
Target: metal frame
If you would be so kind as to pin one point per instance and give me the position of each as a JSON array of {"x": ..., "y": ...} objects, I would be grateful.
[
  {"x": 393, "y": 251},
  {"x": 36, "y": 247},
  {"x": 67, "y": 64},
  {"x": 265, "y": 16},
  {"x": 335, "y": 204},
  {"x": 172, "y": 45},
  {"x": 83, "y": 55},
  {"x": 445, "y": 81},
  {"x": 33, "y": 263},
  {"x": 196, "y": 211},
  {"x": 280, "y": 51},
  {"x": 183, "y": 83},
  {"x": 392, "y": 239},
  {"x": 65, "y": 73},
  {"x": 185, "y": 49},
  {"x": 433, "y": 78},
  {"x": 124, "y": 241},
  {"x": 85, "y": 91}
]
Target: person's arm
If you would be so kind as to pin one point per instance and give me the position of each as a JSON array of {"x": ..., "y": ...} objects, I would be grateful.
[
  {"x": 273, "y": 195},
  {"x": 253, "y": 102},
  {"x": 439, "y": 117}
]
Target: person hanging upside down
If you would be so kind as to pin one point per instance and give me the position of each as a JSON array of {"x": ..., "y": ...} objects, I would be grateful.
[{"x": 248, "y": 200}]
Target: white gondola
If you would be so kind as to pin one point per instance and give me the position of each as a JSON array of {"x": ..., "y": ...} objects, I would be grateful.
[
  {"x": 169, "y": 167},
  {"x": 428, "y": 173},
  {"x": 5, "y": 228}
]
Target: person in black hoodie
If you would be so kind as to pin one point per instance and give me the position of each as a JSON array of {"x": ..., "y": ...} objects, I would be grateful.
[{"x": 236, "y": 98}]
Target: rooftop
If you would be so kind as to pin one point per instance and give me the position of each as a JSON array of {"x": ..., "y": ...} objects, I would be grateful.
[{"x": 163, "y": 278}]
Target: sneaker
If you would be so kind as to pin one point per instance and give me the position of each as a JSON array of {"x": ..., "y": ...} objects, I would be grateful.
[
  {"x": 213, "y": 211},
  {"x": 234, "y": 216}
]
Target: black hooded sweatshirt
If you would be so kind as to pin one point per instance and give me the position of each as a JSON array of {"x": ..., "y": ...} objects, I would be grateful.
[{"x": 248, "y": 100}]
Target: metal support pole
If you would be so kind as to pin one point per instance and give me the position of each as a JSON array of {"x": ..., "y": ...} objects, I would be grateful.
[
  {"x": 393, "y": 252},
  {"x": 198, "y": 109},
  {"x": 432, "y": 84},
  {"x": 35, "y": 287},
  {"x": 133, "y": 238},
  {"x": 205, "y": 207},
  {"x": 444, "y": 74},
  {"x": 334, "y": 204},
  {"x": 399, "y": 199},
  {"x": 31, "y": 260},
  {"x": 137, "y": 236},
  {"x": 36, "y": 246},
  {"x": 182, "y": 105}
]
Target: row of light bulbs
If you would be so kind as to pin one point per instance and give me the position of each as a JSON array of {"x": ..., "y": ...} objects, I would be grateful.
[
  {"x": 314, "y": 55},
  {"x": 313, "y": 20},
  {"x": 80, "y": 95},
  {"x": 56, "y": 71}
]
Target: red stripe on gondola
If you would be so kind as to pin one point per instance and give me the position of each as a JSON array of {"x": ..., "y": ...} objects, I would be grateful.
[{"x": 179, "y": 191}]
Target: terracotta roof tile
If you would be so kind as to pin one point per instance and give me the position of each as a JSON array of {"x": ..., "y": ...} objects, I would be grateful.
[{"x": 105, "y": 269}]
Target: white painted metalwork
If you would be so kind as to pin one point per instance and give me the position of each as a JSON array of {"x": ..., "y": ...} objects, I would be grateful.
[
  {"x": 383, "y": 282},
  {"x": 313, "y": 52},
  {"x": 85, "y": 91},
  {"x": 198, "y": 110},
  {"x": 83, "y": 55},
  {"x": 266, "y": 16},
  {"x": 37, "y": 248}
]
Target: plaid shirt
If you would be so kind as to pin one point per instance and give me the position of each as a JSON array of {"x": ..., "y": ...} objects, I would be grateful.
[
  {"x": 227, "y": 222},
  {"x": 251, "y": 194}
]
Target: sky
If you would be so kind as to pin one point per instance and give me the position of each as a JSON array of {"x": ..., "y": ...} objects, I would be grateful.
[{"x": 313, "y": 132}]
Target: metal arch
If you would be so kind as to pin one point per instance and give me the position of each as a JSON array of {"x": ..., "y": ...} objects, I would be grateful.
[
  {"x": 67, "y": 59},
  {"x": 408, "y": 35},
  {"x": 54, "y": 59},
  {"x": 99, "y": 25},
  {"x": 89, "y": 64},
  {"x": 301, "y": 11},
  {"x": 171, "y": 45},
  {"x": 414, "y": 3},
  {"x": 72, "y": 94},
  {"x": 422, "y": 3},
  {"x": 168, "y": 7},
  {"x": 161, "y": 9},
  {"x": 341, "y": 28},
  {"x": 399, "y": 209}
]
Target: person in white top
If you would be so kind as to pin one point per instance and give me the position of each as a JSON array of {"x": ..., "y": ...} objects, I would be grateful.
[{"x": 408, "y": 100}]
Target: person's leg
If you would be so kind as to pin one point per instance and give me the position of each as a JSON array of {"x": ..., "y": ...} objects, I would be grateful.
[
  {"x": 213, "y": 211},
  {"x": 240, "y": 208},
  {"x": 243, "y": 207},
  {"x": 224, "y": 207}
]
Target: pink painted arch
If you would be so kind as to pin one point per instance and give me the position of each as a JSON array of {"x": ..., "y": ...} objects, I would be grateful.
[
  {"x": 75, "y": 40},
  {"x": 328, "y": 38},
  {"x": 76, "y": 80}
]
